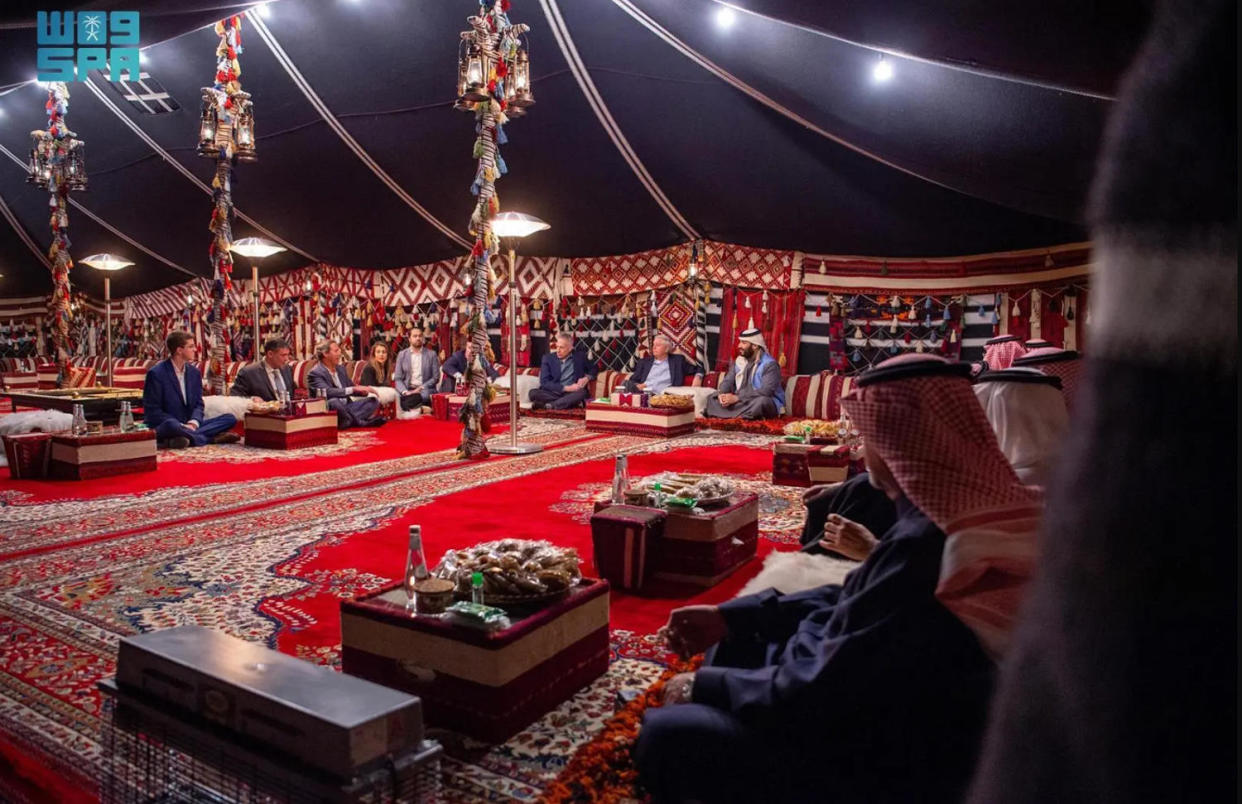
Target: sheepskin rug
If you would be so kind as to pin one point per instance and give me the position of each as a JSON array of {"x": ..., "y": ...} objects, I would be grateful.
[{"x": 794, "y": 572}]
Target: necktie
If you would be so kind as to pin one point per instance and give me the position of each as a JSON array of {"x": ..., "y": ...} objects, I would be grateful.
[{"x": 278, "y": 383}]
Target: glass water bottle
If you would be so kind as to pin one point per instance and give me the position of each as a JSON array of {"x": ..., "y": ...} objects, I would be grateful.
[{"x": 620, "y": 479}]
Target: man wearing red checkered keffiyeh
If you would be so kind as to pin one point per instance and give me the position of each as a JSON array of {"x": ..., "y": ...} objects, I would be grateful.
[
  {"x": 1063, "y": 363},
  {"x": 1001, "y": 351},
  {"x": 926, "y": 432},
  {"x": 793, "y": 686}
]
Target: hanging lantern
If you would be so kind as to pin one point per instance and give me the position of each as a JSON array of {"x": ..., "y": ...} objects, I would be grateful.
[
  {"x": 243, "y": 127},
  {"x": 207, "y": 124},
  {"x": 75, "y": 165},
  {"x": 521, "y": 95},
  {"x": 40, "y": 159},
  {"x": 463, "y": 75},
  {"x": 476, "y": 75}
]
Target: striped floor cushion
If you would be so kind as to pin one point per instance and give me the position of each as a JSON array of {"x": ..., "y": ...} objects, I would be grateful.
[
  {"x": 19, "y": 381},
  {"x": 130, "y": 377}
]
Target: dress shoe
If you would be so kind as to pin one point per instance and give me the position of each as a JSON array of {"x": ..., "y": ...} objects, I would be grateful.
[
  {"x": 378, "y": 421},
  {"x": 227, "y": 437},
  {"x": 177, "y": 442}
]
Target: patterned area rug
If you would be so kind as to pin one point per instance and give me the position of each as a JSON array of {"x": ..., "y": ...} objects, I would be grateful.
[{"x": 270, "y": 561}]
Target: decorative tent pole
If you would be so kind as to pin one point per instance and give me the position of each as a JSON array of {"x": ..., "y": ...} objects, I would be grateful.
[
  {"x": 493, "y": 78},
  {"x": 226, "y": 129},
  {"x": 58, "y": 163}
]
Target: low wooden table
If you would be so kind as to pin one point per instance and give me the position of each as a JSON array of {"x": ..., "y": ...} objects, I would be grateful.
[
  {"x": 696, "y": 548},
  {"x": 311, "y": 425},
  {"x": 99, "y": 403},
  {"x": 796, "y": 464},
  {"x": 448, "y": 406},
  {"x": 602, "y": 417},
  {"x": 487, "y": 684},
  {"x": 111, "y": 452}
]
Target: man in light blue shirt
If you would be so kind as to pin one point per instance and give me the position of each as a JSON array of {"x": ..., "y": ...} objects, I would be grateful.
[{"x": 662, "y": 369}]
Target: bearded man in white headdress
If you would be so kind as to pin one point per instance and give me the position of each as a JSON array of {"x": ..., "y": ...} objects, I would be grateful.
[{"x": 752, "y": 390}]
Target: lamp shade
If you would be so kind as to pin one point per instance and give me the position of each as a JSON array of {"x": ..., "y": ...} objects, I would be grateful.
[
  {"x": 105, "y": 262},
  {"x": 517, "y": 224},
  {"x": 255, "y": 247}
]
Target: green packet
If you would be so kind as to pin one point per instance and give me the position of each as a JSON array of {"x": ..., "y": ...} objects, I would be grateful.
[{"x": 479, "y": 615}]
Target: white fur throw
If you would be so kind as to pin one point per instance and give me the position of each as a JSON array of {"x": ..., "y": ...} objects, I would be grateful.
[
  {"x": 525, "y": 383},
  {"x": 33, "y": 421},
  {"x": 218, "y": 405},
  {"x": 790, "y": 572}
]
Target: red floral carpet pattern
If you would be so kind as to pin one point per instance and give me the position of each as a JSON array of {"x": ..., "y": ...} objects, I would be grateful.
[{"x": 270, "y": 560}]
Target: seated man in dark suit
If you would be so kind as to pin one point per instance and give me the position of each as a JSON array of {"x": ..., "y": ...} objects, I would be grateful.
[
  {"x": 454, "y": 369},
  {"x": 172, "y": 400},
  {"x": 662, "y": 369},
  {"x": 266, "y": 380},
  {"x": 328, "y": 379},
  {"x": 563, "y": 377}
]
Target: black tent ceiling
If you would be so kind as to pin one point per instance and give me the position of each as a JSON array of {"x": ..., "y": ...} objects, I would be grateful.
[{"x": 771, "y": 132}]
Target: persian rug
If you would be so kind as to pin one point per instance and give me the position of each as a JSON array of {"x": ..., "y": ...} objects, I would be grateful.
[{"x": 270, "y": 560}]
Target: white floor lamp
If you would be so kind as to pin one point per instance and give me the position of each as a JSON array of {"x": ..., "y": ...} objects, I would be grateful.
[
  {"x": 107, "y": 262},
  {"x": 513, "y": 226},
  {"x": 255, "y": 249}
]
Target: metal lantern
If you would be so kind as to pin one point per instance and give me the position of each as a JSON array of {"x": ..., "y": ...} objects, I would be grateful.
[
  {"x": 476, "y": 75},
  {"x": 521, "y": 95},
  {"x": 463, "y": 80},
  {"x": 75, "y": 165},
  {"x": 243, "y": 127},
  {"x": 40, "y": 158},
  {"x": 207, "y": 125}
]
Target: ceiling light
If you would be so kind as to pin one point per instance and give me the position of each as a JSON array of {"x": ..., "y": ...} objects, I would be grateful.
[
  {"x": 142, "y": 57},
  {"x": 264, "y": 11},
  {"x": 725, "y": 18},
  {"x": 883, "y": 70}
]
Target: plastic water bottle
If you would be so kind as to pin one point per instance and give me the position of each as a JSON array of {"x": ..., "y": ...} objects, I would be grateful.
[
  {"x": 79, "y": 420},
  {"x": 126, "y": 421},
  {"x": 620, "y": 479},
  {"x": 476, "y": 588}
]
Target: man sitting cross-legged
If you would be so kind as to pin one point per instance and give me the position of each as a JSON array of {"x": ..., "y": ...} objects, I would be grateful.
[
  {"x": 752, "y": 390},
  {"x": 563, "y": 377},
  {"x": 172, "y": 400},
  {"x": 416, "y": 373},
  {"x": 663, "y": 369},
  {"x": 328, "y": 378}
]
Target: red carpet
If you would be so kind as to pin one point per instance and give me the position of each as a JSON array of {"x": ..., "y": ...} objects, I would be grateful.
[
  {"x": 271, "y": 558},
  {"x": 235, "y": 462}
]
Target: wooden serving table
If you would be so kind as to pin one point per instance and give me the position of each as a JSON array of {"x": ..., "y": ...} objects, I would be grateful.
[
  {"x": 700, "y": 547},
  {"x": 602, "y": 417},
  {"x": 488, "y": 684},
  {"x": 103, "y": 454},
  {"x": 99, "y": 403},
  {"x": 309, "y": 424}
]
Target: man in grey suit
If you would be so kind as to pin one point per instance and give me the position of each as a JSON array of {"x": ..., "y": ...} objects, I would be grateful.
[
  {"x": 266, "y": 380},
  {"x": 752, "y": 389},
  {"x": 416, "y": 373},
  {"x": 328, "y": 379}
]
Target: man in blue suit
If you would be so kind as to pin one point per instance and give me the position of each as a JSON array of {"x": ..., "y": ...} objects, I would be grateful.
[
  {"x": 661, "y": 369},
  {"x": 563, "y": 377},
  {"x": 172, "y": 400},
  {"x": 328, "y": 379},
  {"x": 454, "y": 369}
]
